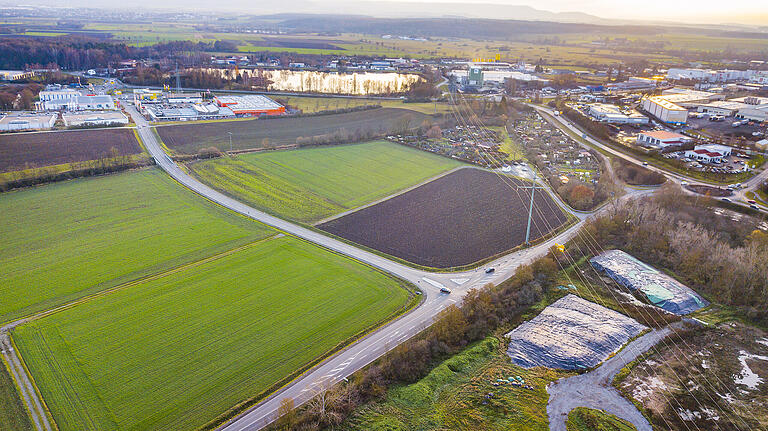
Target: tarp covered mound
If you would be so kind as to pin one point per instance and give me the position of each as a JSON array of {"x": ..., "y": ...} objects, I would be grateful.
[
  {"x": 571, "y": 334},
  {"x": 661, "y": 289}
]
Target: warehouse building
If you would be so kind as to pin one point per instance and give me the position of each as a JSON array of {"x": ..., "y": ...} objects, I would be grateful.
[
  {"x": 88, "y": 119},
  {"x": 754, "y": 109},
  {"x": 662, "y": 139},
  {"x": 607, "y": 113},
  {"x": 26, "y": 121},
  {"x": 97, "y": 102},
  {"x": 665, "y": 110},
  {"x": 725, "y": 108},
  {"x": 250, "y": 105},
  {"x": 690, "y": 98}
]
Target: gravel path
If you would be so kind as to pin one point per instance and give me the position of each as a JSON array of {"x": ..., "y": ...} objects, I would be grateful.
[{"x": 594, "y": 390}]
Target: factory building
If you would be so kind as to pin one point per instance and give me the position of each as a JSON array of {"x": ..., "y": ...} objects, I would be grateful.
[
  {"x": 662, "y": 139},
  {"x": 665, "y": 110},
  {"x": 26, "y": 121},
  {"x": 71, "y": 100},
  {"x": 607, "y": 113},
  {"x": 87, "y": 119},
  {"x": 755, "y": 108},
  {"x": 690, "y": 98},
  {"x": 710, "y": 75},
  {"x": 250, "y": 105}
]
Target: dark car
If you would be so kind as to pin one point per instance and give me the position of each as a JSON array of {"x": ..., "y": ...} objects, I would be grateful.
[
  {"x": 490, "y": 270},
  {"x": 445, "y": 290}
]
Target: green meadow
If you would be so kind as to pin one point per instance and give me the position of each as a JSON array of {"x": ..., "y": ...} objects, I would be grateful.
[
  {"x": 176, "y": 352},
  {"x": 311, "y": 184},
  {"x": 64, "y": 241}
]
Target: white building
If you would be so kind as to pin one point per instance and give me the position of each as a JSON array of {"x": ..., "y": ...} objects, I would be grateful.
[
  {"x": 98, "y": 102},
  {"x": 710, "y": 75},
  {"x": 709, "y": 153},
  {"x": 26, "y": 121},
  {"x": 665, "y": 110},
  {"x": 607, "y": 113},
  {"x": 755, "y": 109},
  {"x": 725, "y": 108},
  {"x": 760, "y": 77},
  {"x": 100, "y": 118},
  {"x": 662, "y": 139},
  {"x": 57, "y": 99}
]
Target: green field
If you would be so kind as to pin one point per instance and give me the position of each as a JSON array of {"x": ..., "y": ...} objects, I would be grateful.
[
  {"x": 310, "y": 184},
  {"x": 67, "y": 240},
  {"x": 584, "y": 419},
  {"x": 13, "y": 415},
  {"x": 452, "y": 396},
  {"x": 175, "y": 352}
]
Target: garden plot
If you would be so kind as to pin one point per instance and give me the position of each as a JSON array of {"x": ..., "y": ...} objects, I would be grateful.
[
  {"x": 571, "y": 334},
  {"x": 662, "y": 290}
]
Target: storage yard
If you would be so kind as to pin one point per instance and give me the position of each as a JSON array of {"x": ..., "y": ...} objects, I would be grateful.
[
  {"x": 250, "y": 134},
  {"x": 660, "y": 289},
  {"x": 571, "y": 334},
  {"x": 34, "y": 150},
  {"x": 438, "y": 225}
]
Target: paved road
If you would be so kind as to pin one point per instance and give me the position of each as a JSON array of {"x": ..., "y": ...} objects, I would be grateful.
[
  {"x": 739, "y": 197},
  {"x": 377, "y": 343},
  {"x": 594, "y": 390}
]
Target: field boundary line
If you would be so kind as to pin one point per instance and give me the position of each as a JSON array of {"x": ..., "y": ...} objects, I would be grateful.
[
  {"x": 386, "y": 198},
  {"x": 39, "y": 315}
]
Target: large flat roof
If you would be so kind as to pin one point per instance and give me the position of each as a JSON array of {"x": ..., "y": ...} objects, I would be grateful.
[{"x": 248, "y": 103}]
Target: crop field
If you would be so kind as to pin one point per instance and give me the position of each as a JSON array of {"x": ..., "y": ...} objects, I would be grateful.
[
  {"x": 312, "y": 104},
  {"x": 190, "y": 138},
  {"x": 175, "y": 352},
  {"x": 31, "y": 150},
  {"x": 455, "y": 220},
  {"x": 13, "y": 415},
  {"x": 452, "y": 396},
  {"x": 310, "y": 184},
  {"x": 66, "y": 240}
]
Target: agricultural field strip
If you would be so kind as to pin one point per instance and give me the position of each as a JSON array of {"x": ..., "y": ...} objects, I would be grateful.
[
  {"x": 161, "y": 274},
  {"x": 22, "y": 380},
  {"x": 309, "y": 184},
  {"x": 362, "y": 298}
]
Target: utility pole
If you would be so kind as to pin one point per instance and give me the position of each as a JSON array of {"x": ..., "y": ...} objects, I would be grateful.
[{"x": 533, "y": 188}]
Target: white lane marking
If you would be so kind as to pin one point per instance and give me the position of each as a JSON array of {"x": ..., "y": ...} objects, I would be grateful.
[
  {"x": 459, "y": 281},
  {"x": 434, "y": 283}
]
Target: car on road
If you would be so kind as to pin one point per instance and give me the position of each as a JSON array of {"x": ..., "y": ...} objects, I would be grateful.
[
  {"x": 751, "y": 202},
  {"x": 725, "y": 200},
  {"x": 445, "y": 290},
  {"x": 754, "y": 207},
  {"x": 684, "y": 183},
  {"x": 490, "y": 270},
  {"x": 645, "y": 163}
]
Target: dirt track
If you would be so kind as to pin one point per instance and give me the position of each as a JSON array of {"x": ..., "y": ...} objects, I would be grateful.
[{"x": 594, "y": 390}]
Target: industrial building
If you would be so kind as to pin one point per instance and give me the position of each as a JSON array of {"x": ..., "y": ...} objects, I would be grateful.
[
  {"x": 100, "y": 118},
  {"x": 250, "y": 105},
  {"x": 689, "y": 98},
  {"x": 662, "y": 139},
  {"x": 754, "y": 109},
  {"x": 709, "y": 153},
  {"x": 607, "y": 113},
  {"x": 709, "y": 75},
  {"x": 187, "y": 112},
  {"x": 18, "y": 121},
  {"x": 57, "y": 99},
  {"x": 725, "y": 108},
  {"x": 665, "y": 110}
]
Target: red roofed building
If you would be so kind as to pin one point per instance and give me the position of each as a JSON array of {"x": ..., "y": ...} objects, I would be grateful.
[{"x": 662, "y": 139}]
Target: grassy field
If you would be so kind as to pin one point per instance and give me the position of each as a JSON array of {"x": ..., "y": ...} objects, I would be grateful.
[
  {"x": 13, "y": 415},
  {"x": 175, "y": 352},
  {"x": 310, "y": 184},
  {"x": 67, "y": 240},
  {"x": 584, "y": 419},
  {"x": 452, "y": 396}
]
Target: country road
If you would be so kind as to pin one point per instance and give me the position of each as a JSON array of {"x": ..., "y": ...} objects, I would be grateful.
[
  {"x": 375, "y": 344},
  {"x": 369, "y": 348}
]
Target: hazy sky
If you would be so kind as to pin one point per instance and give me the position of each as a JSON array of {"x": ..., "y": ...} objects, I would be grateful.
[{"x": 711, "y": 11}]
